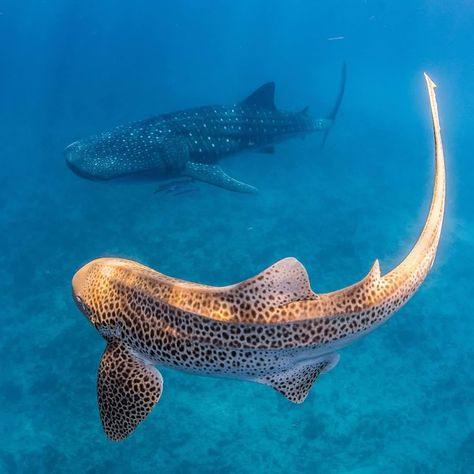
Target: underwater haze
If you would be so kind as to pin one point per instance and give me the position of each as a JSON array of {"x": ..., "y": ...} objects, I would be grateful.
[{"x": 401, "y": 400}]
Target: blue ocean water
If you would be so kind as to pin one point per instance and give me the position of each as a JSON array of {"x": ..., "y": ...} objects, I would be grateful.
[{"x": 401, "y": 400}]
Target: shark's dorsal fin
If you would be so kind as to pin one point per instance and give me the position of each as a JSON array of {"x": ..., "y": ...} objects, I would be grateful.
[
  {"x": 305, "y": 110},
  {"x": 263, "y": 97},
  {"x": 284, "y": 282},
  {"x": 255, "y": 300},
  {"x": 373, "y": 277}
]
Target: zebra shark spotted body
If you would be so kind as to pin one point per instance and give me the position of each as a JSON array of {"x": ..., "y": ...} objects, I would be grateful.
[
  {"x": 271, "y": 329},
  {"x": 191, "y": 142}
]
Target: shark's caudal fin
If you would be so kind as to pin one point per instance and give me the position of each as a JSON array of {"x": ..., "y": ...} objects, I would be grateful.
[
  {"x": 337, "y": 105},
  {"x": 127, "y": 390}
]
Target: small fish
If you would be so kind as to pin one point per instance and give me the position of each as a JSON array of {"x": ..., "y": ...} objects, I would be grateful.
[
  {"x": 336, "y": 38},
  {"x": 186, "y": 191},
  {"x": 173, "y": 185}
]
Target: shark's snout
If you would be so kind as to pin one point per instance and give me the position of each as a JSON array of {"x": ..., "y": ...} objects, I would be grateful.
[
  {"x": 79, "y": 280},
  {"x": 72, "y": 154}
]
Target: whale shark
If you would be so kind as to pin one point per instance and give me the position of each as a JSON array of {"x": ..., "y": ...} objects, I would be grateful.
[
  {"x": 271, "y": 329},
  {"x": 190, "y": 143}
]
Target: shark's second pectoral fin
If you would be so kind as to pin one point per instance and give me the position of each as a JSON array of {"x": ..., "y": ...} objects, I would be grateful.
[
  {"x": 127, "y": 390},
  {"x": 214, "y": 174},
  {"x": 296, "y": 382}
]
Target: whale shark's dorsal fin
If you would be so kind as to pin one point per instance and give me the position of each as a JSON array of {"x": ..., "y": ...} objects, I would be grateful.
[
  {"x": 263, "y": 97},
  {"x": 284, "y": 282},
  {"x": 305, "y": 110}
]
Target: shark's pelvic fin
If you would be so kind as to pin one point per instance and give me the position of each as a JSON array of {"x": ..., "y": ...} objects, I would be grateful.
[
  {"x": 263, "y": 97},
  {"x": 296, "y": 383},
  {"x": 214, "y": 174},
  {"x": 127, "y": 390}
]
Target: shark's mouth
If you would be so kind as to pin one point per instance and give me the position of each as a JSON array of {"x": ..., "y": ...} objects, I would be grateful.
[{"x": 82, "y": 173}]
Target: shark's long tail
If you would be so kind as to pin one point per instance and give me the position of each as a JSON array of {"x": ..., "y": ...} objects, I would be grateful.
[{"x": 335, "y": 110}]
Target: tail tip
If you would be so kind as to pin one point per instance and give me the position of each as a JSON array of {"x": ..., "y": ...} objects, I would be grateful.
[{"x": 429, "y": 81}]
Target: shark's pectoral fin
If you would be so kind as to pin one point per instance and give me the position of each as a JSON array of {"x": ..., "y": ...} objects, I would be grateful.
[
  {"x": 296, "y": 383},
  {"x": 127, "y": 390},
  {"x": 174, "y": 152},
  {"x": 214, "y": 174}
]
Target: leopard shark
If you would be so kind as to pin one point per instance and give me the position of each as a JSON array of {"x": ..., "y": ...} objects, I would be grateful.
[
  {"x": 191, "y": 142},
  {"x": 271, "y": 329}
]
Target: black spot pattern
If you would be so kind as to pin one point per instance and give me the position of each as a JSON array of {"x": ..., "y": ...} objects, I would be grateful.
[
  {"x": 296, "y": 384},
  {"x": 201, "y": 135},
  {"x": 127, "y": 390}
]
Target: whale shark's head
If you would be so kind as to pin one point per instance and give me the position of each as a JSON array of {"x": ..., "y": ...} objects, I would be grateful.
[
  {"x": 109, "y": 155},
  {"x": 84, "y": 159},
  {"x": 104, "y": 157}
]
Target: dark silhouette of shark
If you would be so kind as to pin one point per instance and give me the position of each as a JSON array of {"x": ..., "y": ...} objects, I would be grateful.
[{"x": 191, "y": 142}]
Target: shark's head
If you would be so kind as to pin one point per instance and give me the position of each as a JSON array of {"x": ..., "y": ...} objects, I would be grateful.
[
  {"x": 86, "y": 159},
  {"x": 110, "y": 155},
  {"x": 96, "y": 294}
]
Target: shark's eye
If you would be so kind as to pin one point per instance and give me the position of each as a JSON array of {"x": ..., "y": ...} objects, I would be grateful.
[{"x": 82, "y": 305}]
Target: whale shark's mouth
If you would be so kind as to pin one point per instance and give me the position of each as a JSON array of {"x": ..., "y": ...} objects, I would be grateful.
[{"x": 82, "y": 173}]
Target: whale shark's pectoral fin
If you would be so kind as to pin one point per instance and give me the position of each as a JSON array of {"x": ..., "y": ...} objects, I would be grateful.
[
  {"x": 127, "y": 390},
  {"x": 214, "y": 174},
  {"x": 296, "y": 383}
]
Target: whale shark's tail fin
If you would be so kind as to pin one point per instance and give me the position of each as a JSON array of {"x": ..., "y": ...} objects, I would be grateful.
[{"x": 332, "y": 116}]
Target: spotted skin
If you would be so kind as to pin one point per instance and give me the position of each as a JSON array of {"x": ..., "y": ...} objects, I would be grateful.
[
  {"x": 296, "y": 387},
  {"x": 271, "y": 329},
  {"x": 192, "y": 142},
  {"x": 127, "y": 390}
]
